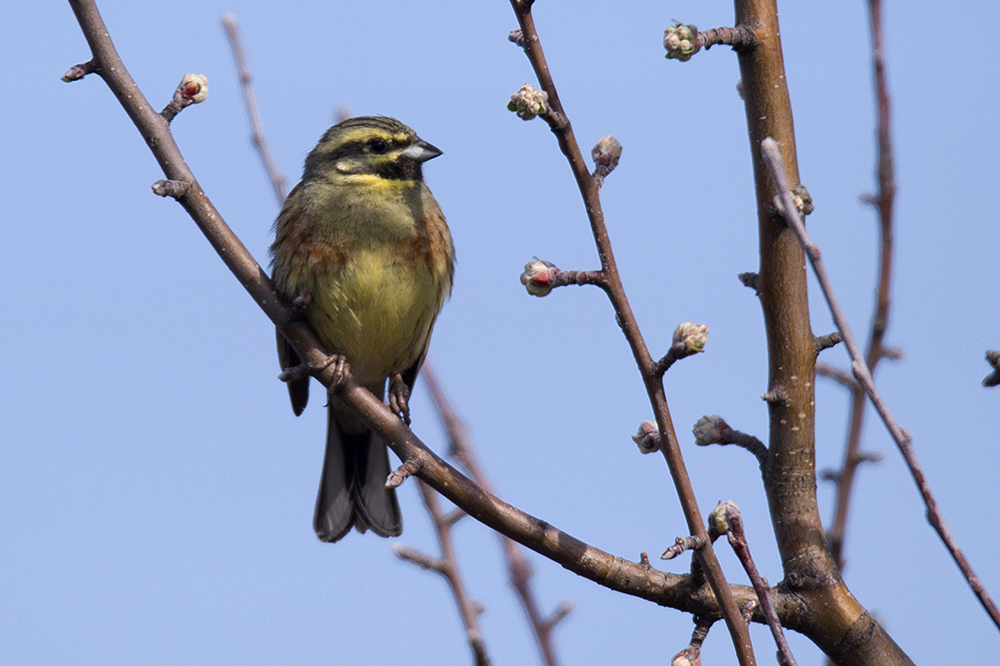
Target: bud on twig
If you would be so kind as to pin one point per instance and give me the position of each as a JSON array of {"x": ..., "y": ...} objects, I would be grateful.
[
  {"x": 529, "y": 102},
  {"x": 606, "y": 154},
  {"x": 680, "y": 41},
  {"x": 648, "y": 437},
  {"x": 538, "y": 276}
]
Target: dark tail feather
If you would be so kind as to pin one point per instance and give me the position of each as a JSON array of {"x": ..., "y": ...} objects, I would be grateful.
[{"x": 352, "y": 492}]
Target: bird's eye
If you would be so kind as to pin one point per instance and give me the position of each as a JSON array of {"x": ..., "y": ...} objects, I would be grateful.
[{"x": 377, "y": 146}]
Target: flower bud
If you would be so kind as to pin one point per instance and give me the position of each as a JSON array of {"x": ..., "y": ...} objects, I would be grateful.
[
  {"x": 192, "y": 89},
  {"x": 689, "y": 339},
  {"x": 689, "y": 656},
  {"x": 648, "y": 437},
  {"x": 538, "y": 276},
  {"x": 529, "y": 102},
  {"x": 722, "y": 514},
  {"x": 606, "y": 153},
  {"x": 681, "y": 41},
  {"x": 709, "y": 430}
]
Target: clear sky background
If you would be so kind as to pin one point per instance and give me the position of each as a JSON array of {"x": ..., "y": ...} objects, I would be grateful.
[{"x": 156, "y": 492}]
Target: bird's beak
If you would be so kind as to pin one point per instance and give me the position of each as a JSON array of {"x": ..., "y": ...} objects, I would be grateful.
[{"x": 421, "y": 151}]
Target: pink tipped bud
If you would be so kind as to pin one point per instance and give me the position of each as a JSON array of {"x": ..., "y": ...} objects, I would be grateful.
[
  {"x": 192, "y": 89},
  {"x": 689, "y": 339},
  {"x": 538, "y": 277},
  {"x": 648, "y": 437}
]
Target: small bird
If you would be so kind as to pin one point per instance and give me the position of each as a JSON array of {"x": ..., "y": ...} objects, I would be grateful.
[{"x": 362, "y": 242}]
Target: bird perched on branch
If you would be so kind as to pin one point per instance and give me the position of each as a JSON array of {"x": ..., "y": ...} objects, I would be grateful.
[{"x": 362, "y": 242}]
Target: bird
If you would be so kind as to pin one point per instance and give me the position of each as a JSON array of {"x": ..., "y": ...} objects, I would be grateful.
[{"x": 363, "y": 244}]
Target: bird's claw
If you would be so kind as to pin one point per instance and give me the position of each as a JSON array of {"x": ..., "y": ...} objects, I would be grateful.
[{"x": 399, "y": 398}]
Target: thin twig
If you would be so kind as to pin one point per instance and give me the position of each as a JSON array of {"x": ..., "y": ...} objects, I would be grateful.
[
  {"x": 519, "y": 568},
  {"x": 772, "y": 155},
  {"x": 733, "y": 520},
  {"x": 447, "y": 566},
  {"x": 253, "y": 112},
  {"x": 883, "y": 202}
]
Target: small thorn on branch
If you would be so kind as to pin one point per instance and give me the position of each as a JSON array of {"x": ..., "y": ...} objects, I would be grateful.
[
  {"x": 403, "y": 472},
  {"x": 891, "y": 353},
  {"x": 193, "y": 89},
  {"x": 559, "y": 614},
  {"x": 993, "y": 358},
  {"x": 295, "y": 373},
  {"x": 775, "y": 395},
  {"x": 419, "y": 558},
  {"x": 171, "y": 188},
  {"x": 689, "y": 339},
  {"x": 828, "y": 340},
  {"x": 682, "y": 544},
  {"x": 750, "y": 280},
  {"x": 77, "y": 72},
  {"x": 836, "y": 374}
]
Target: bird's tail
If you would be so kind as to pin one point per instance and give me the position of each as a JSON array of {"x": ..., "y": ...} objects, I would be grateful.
[{"x": 352, "y": 492}]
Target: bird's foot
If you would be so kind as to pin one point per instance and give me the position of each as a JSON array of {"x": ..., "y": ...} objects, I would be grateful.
[
  {"x": 399, "y": 398},
  {"x": 300, "y": 304}
]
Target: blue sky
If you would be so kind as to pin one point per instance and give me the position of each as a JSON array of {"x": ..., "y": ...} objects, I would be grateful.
[{"x": 156, "y": 491}]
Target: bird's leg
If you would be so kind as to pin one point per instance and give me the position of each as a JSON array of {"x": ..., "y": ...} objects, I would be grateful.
[{"x": 399, "y": 397}]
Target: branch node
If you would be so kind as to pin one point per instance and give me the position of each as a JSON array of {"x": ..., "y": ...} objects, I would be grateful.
[
  {"x": 403, "y": 472},
  {"x": 682, "y": 544},
  {"x": 751, "y": 280},
  {"x": 517, "y": 37},
  {"x": 775, "y": 395},
  {"x": 77, "y": 72},
  {"x": 171, "y": 188},
  {"x": 828, "y": 340},
  {"x": 993, "y": 358}
]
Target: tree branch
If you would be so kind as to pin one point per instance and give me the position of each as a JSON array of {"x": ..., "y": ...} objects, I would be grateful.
[
  {"x": 590, "y": 191},
  {"x": 861, "y": 372}
]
